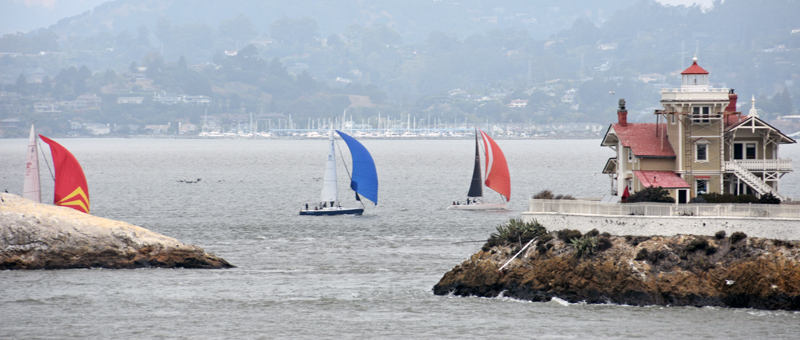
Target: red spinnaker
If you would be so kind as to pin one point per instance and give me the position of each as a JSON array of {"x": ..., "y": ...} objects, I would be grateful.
[
  {"x": 71, "y": 189},
  {"x": 497, "y": 177}
]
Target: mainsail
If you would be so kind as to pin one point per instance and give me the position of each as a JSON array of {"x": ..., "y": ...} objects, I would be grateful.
[
  {"x": 71, "y": 189},
  {"x": 365, "y": 176},
  {"x": 329, "y": 186},
  {"x": 476, "y": 188},
  {"x": 497, "y": 177},
  {"x": 30, "y": 188}
]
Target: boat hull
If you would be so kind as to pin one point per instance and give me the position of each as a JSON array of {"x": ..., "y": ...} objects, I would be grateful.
[
  {"x": 333, "y": 211},
  {"x": 479, "y": 206}
]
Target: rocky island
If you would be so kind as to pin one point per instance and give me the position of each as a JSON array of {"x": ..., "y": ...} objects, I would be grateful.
[
  {"x": 41, "y": 236},
  {"x": 682, "y": 270}
]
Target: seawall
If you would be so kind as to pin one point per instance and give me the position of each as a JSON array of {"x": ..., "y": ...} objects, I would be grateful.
[{"x": 770, "y": 228}]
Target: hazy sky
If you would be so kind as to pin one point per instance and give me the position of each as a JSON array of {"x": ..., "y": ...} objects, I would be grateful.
[{"x": 28, "y": 15}]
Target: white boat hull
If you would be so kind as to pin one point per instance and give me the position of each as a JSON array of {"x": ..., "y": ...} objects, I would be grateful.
[{"x": 479, "y": 206}]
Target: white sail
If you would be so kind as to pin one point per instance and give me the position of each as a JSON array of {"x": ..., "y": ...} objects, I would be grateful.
[
  {"x": 329, "y": 186},
  {"x": 31, "y": 189}
]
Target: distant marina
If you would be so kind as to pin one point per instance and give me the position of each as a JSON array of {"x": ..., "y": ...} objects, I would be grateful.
[{"x": 549, "y": 131}]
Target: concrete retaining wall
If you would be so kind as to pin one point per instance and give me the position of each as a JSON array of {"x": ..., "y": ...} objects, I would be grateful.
[{"x": 784, "y": 229}]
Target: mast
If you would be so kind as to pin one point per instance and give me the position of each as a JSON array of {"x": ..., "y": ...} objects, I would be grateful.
[
  {"x": 31, "y": 189},
  {"x": 476, "y": 187},
  {"x": 329, "y": 185}
]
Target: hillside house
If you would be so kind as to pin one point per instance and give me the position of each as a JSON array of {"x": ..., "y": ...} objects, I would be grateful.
[{"x": 700, "y": 144}]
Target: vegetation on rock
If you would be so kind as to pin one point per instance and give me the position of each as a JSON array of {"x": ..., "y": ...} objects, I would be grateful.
[
  {"x": 515, "y": 232},
  {"x": 682, "y": 270}
]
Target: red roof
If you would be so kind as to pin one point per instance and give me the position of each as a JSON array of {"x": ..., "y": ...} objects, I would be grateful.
[
  {"x": 642, "y": 139},
  {"x": 664, "y": 179},
  {"x": 694, "y": 69}
]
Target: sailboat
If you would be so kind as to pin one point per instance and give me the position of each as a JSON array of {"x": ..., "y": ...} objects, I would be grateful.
[
  {"x": 71, "y": 189},
  {"x": 31, "y": 188},
  {"x": 364, "y": 180},
  {"x": 497, "y": 178}
]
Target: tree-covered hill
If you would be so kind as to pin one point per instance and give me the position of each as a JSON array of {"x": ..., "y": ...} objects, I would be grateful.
[{"x": 463, "y": 59}]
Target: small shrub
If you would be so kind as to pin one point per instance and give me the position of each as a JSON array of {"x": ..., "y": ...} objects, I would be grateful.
[
  {"x": 715, "y": 197},
  {"x": 544, "y": 195},
  {"x": 738, "y": 236},
  {"x": 568, "y": 234},
  {"x": 651, "y": 194},
  {"x": 603, "y": 243},
  {"x": 711, "y": 250},
  {"x": 635, "y": 240},
  {"x": 585, "y": 245},
  {"x": 746, "y": 199},
  {"x": 698, "y": 199},
  {"x": 658, "y": 255},
  {"x": 641, "y": 255},
  {"x": 563, "y": 197},
  {"x": 769, "y": 198},
  {"x": 719, "y": 235},
  {"x": 782, "y": 243},
  {"x": 545, "y": 238},
  {"x": 605, "y": 234},
  {"x": 696, "y": 244},
  {"x": 593, "y": 232}
]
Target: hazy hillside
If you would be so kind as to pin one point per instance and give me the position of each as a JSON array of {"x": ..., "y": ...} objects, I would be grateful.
[
  {"x": 469, "y": 60},
  {"x": 412, "y": 19}
]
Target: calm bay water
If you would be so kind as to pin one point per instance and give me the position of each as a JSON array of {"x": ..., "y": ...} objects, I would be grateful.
[{"x": 322, "y": 277}]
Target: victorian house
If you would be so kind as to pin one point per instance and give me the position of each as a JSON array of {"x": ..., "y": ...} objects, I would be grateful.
[{"x": 699, "y": 144}]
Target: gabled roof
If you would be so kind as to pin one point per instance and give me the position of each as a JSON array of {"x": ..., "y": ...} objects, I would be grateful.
[
  {"x": 664, "y": 179},
  {"x": 642, "y": 139},
  {"x": 694, "y": 69},
  {"x": 751, "y": 122}
]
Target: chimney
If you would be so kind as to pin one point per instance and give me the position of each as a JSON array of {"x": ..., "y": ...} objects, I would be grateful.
[
  {"x": 732, "y": 105},
  {"x": 622, "y": 113}
]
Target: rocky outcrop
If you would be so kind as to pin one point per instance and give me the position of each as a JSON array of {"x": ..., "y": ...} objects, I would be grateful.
[
  {"x": 681, "y": 270},
  {"x": 41, "y": 236}
]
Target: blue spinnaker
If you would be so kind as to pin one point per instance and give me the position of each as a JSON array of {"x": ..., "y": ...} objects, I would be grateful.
[{"x": 365, "y": 176}]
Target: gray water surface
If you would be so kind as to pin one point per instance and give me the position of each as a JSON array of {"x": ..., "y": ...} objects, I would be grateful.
[{"x": 323, "y": 277}]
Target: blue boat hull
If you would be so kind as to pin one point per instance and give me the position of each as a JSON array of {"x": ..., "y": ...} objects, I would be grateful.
[{"x": 338, "y": 211}]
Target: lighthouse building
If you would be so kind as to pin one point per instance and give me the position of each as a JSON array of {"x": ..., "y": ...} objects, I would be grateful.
[{"x": 699, "y": 144}]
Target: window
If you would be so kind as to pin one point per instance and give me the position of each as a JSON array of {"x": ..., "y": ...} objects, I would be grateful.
[
  {"x": 738, "y": 151},
  {"x": 700, "y": 114},
  {"x": 701, "y": 186},
  {"x": 630, "y": 155},
  {"x": 750, "y": 149},
  {"x": 672, "y": 119},
  {"x": 701, "y": 153}
]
